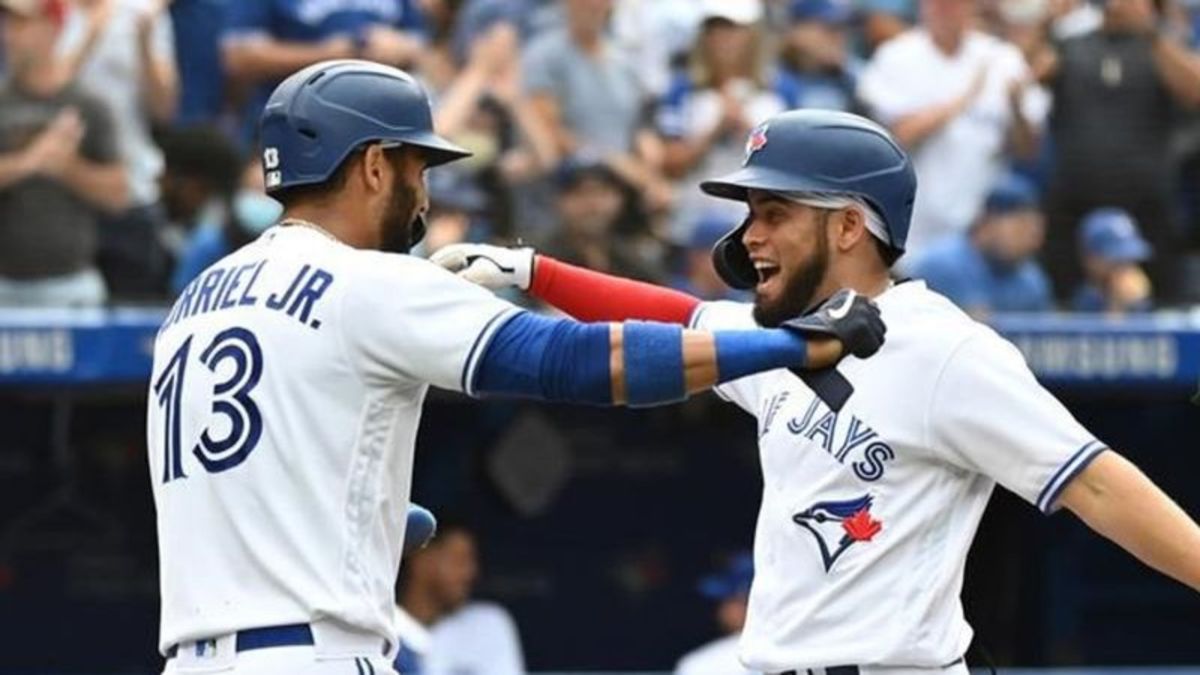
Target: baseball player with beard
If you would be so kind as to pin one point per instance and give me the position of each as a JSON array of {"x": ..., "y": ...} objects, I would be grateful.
[
  {"x": 289, "y": 376},
  {"x": 875, "y": 475}
]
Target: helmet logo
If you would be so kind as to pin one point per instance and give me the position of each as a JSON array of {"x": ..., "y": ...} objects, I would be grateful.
[
  {"x": 757, "y": 141},
  {"x": 271, "y": 164}
]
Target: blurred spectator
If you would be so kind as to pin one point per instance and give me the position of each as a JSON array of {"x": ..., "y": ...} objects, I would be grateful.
[
  {"x": 730, "y": 589},
  {"x": 957, "y": 98},
  {"x": 481, "y": 107},
  {"x": 883, "y": 20},
  {"x": 440, "y": 631},
  {"x": 992, "y": 267},
  {"x": 202, "y": 169},
  {"x": 592, "y": 201},
  {"x": 59, "y": 167},
  {"x": 202, "y": 95},
  {"x": 1116, "y": 96},
  {"x": 1113, "y": 251},
  {"x": 267, "y": 40},
  {"x": 698, "y": 277},
  {"x": 657, "y": 35},
  {"x": 816, "y": 55},
  {"x": 123, "y": 53},
  {"x": 1072, "y": 18},
  {"x": 457, "y": 212},
  {"x": 235, "y": 218},
  {"x": 711, "y": 108},
  {"x": 588, "y": 95}
]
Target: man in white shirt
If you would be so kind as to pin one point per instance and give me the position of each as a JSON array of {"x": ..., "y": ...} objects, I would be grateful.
[
  {"x": 959, "y": 100},
  {"x": 443, "y": 632}
]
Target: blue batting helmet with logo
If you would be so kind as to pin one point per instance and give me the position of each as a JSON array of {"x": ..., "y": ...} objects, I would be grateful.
[
  {"x": 319, "y": 115},
  {"x": 821, "y": 152}
]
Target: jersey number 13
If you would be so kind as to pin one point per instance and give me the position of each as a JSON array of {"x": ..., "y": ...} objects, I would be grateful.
[{"x": 231, "y": 398}]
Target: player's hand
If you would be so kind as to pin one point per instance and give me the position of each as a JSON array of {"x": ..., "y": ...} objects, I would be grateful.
[
  {"x": 493, "y": 267},
  {"x": 847, "y": 323},
  {"x": 419, "y": 528}
]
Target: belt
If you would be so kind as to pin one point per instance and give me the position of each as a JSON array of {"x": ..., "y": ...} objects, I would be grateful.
[{"x": 292, "y": 635}]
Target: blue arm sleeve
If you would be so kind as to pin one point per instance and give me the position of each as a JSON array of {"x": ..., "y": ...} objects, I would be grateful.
[
  {"x": 553, "y": 359},
  {"x": 533, "y": 356}
]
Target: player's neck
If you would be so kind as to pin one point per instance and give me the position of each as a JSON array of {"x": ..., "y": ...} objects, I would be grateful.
[
  {"x": 332, "y": 219},
  {"x": 870, "y": 283}
]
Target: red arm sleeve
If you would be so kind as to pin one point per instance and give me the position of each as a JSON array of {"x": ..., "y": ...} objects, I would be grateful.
[{"x": 593, "y": 296}]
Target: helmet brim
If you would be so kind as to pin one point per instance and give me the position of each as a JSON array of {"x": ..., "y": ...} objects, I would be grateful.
[
  {"x": 436, "y": 149},
  {"x": 737, "y": 185}
]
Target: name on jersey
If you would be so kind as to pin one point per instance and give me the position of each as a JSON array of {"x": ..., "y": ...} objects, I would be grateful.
[
  {"x": 223, "y": 288},
  {"x": 848, "y": 439}
]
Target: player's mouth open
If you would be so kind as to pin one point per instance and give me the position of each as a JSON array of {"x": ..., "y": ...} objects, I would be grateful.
[{"x": 766, "y": 271}]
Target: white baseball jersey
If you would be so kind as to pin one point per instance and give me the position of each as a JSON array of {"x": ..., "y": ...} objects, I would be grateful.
[
  {"x": 284, "y": 402},
  {"x": 867, "y": 513}
]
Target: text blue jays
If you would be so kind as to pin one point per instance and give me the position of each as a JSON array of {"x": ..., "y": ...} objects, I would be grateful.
[{"x": 847, "y": 439}]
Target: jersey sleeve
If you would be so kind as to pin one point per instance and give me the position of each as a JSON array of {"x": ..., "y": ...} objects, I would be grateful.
[
  {"x": 727, "y": 315},
  {"x": 406, "y": 319},
  {"x": 989, "y": 415}
]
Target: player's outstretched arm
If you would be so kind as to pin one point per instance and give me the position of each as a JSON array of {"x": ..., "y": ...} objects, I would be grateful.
[
  {"x": 645, "y": 363},
  {"x": 1117, "y": 500},
  {"x": 584, "y": 294}
]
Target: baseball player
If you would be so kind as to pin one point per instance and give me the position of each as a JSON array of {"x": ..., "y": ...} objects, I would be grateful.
[
  {"x": 288, "y": 381},
  {"x": 870, "y": 502}
]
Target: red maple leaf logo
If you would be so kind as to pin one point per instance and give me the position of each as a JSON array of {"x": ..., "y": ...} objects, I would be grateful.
[
  {"x": 757, "y": 140},
  {"x": 861, "y": 526}
]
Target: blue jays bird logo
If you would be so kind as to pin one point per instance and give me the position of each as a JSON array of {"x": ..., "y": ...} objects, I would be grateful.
[{"x": 851, "y": 519}]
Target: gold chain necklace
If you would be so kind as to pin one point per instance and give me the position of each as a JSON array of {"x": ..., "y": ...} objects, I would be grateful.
[{"x": 310, "y": 225}]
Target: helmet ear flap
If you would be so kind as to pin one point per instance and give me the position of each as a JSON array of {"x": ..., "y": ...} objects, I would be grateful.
[
  {"x": 732, "y": 260},
  {"x": 416, "y": 231}
]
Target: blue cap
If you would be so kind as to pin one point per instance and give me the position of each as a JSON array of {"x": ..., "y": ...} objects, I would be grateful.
[
  {"x": 707, "y": 231},
  {"x": 1112, "y": 234},
  {"x": 1011, "y": 193},
  {"x": 455, "y": 191},
  {"x": 731, "y": 582},
  {"x": 824, "y": 11}
]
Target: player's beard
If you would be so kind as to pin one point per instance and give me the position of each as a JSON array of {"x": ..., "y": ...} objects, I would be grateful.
[
  {"x": 399, "y": 219},
  {"x": 797, "y": 296}
]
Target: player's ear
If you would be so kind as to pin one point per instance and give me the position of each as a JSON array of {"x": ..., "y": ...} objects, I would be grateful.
[
  {"x": 850, "y": 228},
  {"x": 375, "y": 168}
]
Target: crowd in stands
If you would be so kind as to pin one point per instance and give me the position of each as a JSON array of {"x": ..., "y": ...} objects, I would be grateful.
[{"x": 1056, "y": 142}]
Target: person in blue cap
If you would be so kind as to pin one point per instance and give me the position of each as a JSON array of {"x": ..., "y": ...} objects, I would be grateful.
[
  {"x": 991, "y": 267},
  {"x": 697, "y": 276},
  {"x": 730, "y": 589},
  {"x": 818, "y": 68},
  {"x": 1113, "y": 251}
]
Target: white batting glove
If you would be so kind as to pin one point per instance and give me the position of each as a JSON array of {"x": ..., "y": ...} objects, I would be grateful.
[{"x": 493, "y": 267}]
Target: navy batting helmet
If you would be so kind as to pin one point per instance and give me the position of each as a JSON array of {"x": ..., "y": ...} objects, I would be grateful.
[
  {"x": 320, "y": 114},
  {"x": 821, "y": 152}
]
